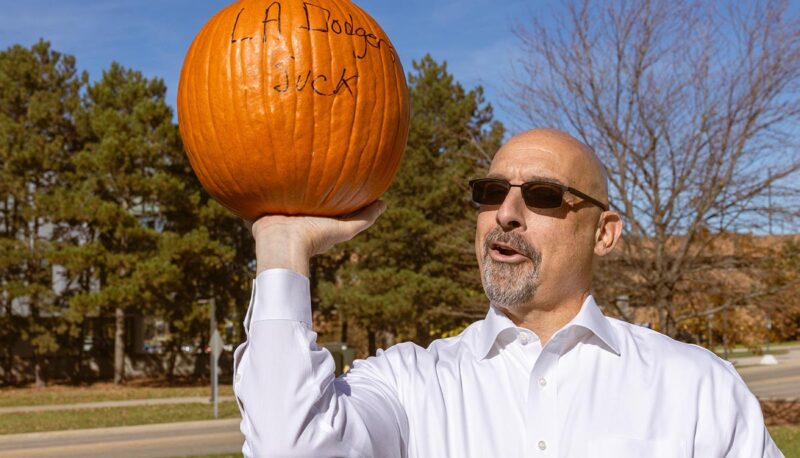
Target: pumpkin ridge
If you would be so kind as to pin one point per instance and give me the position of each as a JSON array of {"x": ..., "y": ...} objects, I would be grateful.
[
  {"x": 360, "y": 65},
  {"x": 345, "y": 163},
  {"x": 349, "y": 149},
  {"x": 235, "y": 66},
  {"x": 265, "y": 95},
  {"x": 216, "y": 186},
  {"x": 331, "y": 119},
  {"x": 353, "y": 190},
  {"x": 320, "y": 201},
  {"x": 313, "y": 142},
  {"x": 225, "y": 191},
  {"x": 329, "y": 72},
  {"x": 297, "y": 112},
  {"x": 374, "y": 153}
]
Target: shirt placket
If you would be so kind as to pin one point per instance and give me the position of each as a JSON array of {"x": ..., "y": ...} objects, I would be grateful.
[{"x": 542, "y": 405}]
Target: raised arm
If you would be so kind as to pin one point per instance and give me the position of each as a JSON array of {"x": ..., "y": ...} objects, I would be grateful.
[{"x": 291, "y": 404}]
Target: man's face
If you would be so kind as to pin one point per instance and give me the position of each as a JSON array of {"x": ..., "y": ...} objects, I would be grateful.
[{"x": 532, "y": 257}]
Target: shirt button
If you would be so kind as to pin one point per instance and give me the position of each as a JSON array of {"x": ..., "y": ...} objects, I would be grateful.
[
  {"x": 238, "y": 378},
  {"x": 524, "y": 339},
  {"x": 542, "y": 382},
  {"x": 542, "y": 445}
]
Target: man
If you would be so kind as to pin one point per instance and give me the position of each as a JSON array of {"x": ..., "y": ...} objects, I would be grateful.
[{"x": 545, "y": 374}]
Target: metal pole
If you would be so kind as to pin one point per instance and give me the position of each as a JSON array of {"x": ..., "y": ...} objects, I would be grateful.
[{"x": 212, "y": 357}]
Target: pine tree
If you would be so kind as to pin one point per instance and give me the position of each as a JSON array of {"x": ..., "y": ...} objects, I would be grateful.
[
  {"x": 114, "y": 192},
  {"x": 39, "y": 99}
]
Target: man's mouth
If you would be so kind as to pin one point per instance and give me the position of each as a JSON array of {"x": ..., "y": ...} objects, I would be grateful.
[{"x": 503, "y": 252}]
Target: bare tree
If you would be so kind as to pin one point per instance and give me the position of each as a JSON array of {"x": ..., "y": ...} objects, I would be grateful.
[{"x": 692, "y": 106}]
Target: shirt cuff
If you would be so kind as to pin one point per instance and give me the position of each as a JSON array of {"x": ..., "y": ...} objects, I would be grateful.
[{"x": 281, "y": 294}]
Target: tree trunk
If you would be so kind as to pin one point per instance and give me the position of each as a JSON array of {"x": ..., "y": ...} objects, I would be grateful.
[
  {"x": 8, "y": 364},
  {"x": 119, "y": 345},
  {"x": 202, "y": 361},
  {"x": 78, "y": 366},
  {"x": 725, "y": 343},
  {"x": 172, "y": 357},
  {"x": 371, "y": 347},
  {"x": 423, "y": 333},
  {"x": 663, "y": 298},
  {"x": 37, "y": 370}
]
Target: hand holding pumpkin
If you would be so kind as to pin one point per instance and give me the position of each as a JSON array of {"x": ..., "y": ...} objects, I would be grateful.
[{"x": 288, "y": 242}]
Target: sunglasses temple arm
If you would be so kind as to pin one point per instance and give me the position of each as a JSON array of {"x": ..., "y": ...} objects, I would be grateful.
[{"x": 590, "y": 199}]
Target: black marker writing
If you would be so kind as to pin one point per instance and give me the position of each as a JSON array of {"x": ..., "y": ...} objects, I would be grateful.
[
  {"x": 267, "y": 19},
  {"x": 272, "y": 14},
  {"x": 319, "y": 83},
  {"x": 319, "y": 19},
  {"x": 233, "y": 32}
]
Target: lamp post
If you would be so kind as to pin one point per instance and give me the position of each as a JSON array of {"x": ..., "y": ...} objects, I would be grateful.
[{"x": 215, "y": 344}]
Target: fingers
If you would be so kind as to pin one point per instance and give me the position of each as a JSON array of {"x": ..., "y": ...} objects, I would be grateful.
[
  {"x": 364, "y": 218},
  {"x": 314, "y": 234},
  {"x": 369, "y": 213}
]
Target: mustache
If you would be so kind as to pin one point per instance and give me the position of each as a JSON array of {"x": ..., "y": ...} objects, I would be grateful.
[{"x": 512, "y": 239}]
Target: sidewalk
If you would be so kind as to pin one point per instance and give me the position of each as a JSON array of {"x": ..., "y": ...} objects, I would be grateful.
[
  {"x": 125, "y": 403},
  {"x": 792, "y": 354},
  {"x": 151, "y": 441}
]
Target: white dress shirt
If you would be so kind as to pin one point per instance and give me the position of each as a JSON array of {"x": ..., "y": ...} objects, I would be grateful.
[{"x": 599, "y": 388}]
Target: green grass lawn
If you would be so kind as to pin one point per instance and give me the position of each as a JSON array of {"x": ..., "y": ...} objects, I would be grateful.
[
  {"x": 787, "y": 438},
  {"x": 745, "y": 353},
  {"x": 777, "y": 348},
  {"x": 99, "y": 392},
  {"x": 12, "y": 423}
]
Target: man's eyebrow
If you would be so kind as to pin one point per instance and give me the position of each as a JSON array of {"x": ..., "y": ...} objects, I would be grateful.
[{"x": 541, "y": 178}]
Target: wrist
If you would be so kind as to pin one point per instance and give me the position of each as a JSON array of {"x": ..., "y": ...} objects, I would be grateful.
[{"x": 281, "y": 248}]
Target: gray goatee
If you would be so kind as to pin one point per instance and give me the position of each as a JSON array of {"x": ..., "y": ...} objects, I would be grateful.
[{"x": 509, "y": 285}]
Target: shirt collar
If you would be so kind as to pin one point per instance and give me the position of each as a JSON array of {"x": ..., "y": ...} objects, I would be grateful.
[
  {"x": 495, "y": 323},
  {"x": 589, "y": 318}
]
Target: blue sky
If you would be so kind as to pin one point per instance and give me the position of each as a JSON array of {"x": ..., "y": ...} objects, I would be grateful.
[{"x": 473, "y": 36}]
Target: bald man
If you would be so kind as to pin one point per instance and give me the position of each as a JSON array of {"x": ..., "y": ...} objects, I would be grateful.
[{"x": 545, "y": 374}]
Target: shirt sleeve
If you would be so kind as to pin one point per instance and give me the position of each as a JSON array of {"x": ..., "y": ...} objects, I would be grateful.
[
  {"x": 290, "y": 401},
  {"x": 750, "y": 435}
]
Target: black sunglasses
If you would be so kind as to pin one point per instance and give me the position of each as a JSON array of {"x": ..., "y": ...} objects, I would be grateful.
[{"x": 537, "y": 194}]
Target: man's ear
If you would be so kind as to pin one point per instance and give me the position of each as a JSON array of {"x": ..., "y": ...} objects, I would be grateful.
[{"x": 609, "y": 230}]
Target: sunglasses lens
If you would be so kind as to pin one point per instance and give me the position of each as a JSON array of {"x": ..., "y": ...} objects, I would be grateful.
[
  {"x": 489, "y": 192},
  {"x": 539, "y": 196}
]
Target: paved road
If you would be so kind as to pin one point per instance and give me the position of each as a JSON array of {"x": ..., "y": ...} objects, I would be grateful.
[
  {"x": 774, "y": 382},
  {"x": 146, "y": 441},
  {"x": 781, "y": 381}
]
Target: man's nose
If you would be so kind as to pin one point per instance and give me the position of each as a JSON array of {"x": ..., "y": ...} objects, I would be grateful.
[{"x": 511, "y": 214}]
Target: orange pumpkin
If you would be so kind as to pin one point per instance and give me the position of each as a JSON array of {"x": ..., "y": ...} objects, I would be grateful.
[{"x": 293, "y": 107}]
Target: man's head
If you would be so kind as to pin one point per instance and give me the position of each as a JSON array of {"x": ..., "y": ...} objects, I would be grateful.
[{"x": 540, "y": 258}]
